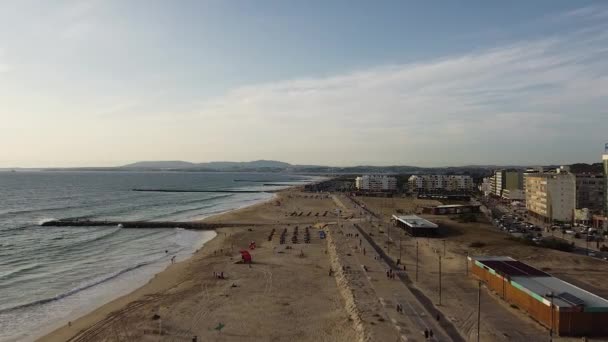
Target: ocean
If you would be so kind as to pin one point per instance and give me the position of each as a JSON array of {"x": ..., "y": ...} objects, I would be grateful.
[{"x": 50, "y": 275}]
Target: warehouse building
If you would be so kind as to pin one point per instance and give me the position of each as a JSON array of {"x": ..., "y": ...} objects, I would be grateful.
[
  {"x": 556, "y": 304},
  {"x": 416, "y": 226}
]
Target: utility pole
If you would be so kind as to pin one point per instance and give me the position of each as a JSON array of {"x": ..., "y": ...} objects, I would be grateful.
[
  {"x": 478, "y": 310},
  {"x": 466, "y": 264},
  {"x": 439, "y": 279},
  {"x": 444, "y": 247},
  {"x": 416, "y": 260}
]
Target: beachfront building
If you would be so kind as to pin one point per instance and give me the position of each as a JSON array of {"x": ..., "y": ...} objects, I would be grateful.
[
  {"x": 558, "y": 305},
  {"x": 438, "y": 183},
  {"x": 486, "y": 186},
  {"x": 376, "y": 183},
  {"x": 513, "y": 195},
  {"x": 590, "y": 192},
  {"x": 415, "y": 226},
  {"x": 605, "y": 162},
  {"x": 551, "y": 196},
  {"x": 506, "y": 179}
]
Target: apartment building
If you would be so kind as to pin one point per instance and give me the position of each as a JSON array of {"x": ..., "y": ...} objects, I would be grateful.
[
  {"x": 506, "y": 179},
  {"x": 605, "y": 162},
  {"x": 376, "y": 183},
  {"x": 590, "y": 192},
  {"x": 433, "y": 183},
  {"x": 551, "y": 196}
]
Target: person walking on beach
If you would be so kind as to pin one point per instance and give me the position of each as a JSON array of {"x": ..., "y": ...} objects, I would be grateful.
[{"x": 173, "y": 259}]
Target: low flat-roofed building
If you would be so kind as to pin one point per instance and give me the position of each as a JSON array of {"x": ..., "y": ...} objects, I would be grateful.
[
  {"x": 448, "y": 209},
  {"x": 554, "y": 303},
  {"x": 415, "y": 225}
]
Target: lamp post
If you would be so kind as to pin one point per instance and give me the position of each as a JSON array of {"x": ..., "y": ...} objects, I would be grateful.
[
  {"x": 478, "y": 311},
  {"x": 551, "y": 296},
  {"x": 439, "y": 279},
  {"x": 416, "y": 260},
  {"x": 399, "y": 245}
]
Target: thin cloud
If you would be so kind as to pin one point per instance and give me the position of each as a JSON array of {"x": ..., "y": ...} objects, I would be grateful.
[{"x": 542, "y": 90}]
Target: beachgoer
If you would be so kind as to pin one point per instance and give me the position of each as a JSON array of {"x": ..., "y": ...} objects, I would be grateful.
[
  {"x": 426, "y": 333},
  {"x": 438, "y": 317},
  {"x": 195, "y": 339},
  {"x": 222, "y": 275},
  {"x": 431, "y": 333}
]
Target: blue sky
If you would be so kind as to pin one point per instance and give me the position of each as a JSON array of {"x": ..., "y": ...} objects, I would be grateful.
[{"x": 318, "y": 82}]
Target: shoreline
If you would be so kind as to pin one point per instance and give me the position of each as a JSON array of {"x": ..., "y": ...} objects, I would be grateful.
[{"x": 159, "y": 281}]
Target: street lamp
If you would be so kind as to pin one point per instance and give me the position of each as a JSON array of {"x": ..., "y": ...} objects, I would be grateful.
[
  {"x": 550, "y": 295},
  {"x": 478, "y": 311}
]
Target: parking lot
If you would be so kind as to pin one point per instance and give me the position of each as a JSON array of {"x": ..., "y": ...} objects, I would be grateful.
[{"x": 514, "y": 221}]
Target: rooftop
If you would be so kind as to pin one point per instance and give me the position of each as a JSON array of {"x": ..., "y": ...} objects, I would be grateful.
[
  {"x": 415, "y": 221},
  {"x": 540, "y": 284},
  {"x": 456, "y": 205}
]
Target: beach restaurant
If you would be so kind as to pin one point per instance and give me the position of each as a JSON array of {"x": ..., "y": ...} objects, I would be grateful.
[{"x": 415, "y": 226}]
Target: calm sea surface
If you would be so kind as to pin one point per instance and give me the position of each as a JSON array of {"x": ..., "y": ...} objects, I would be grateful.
[{"x": 51, "y": 275}]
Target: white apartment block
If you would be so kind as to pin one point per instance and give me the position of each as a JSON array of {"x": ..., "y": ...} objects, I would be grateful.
[
  {"x": 440, "y": 182},
  {"x": 551, "y": 195},
  {"x": 376, "y": 183}
]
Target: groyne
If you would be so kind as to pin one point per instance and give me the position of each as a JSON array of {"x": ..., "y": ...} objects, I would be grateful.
[
  {"x": 212, "y": 191},
  {"x": 142, "y": 224}
]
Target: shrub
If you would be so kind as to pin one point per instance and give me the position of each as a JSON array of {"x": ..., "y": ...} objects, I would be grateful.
[
  {"x": 477, "y": 244},
  {"x": 467, "y": 217}
]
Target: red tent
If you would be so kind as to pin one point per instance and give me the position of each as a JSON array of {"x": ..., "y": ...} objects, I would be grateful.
[{"x": 246, "y": 256}]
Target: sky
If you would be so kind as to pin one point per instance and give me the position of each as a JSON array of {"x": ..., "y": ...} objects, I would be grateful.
[{"x": 426, "y": 83}]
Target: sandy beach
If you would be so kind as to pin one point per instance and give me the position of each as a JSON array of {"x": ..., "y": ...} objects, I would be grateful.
[
  {"x": 287, "y": 294},
  {"x": 332, "y": 289}
]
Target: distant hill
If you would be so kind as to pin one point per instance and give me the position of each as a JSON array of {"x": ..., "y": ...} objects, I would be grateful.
[
  {"x": 270, "y": 165},
  {"x": 171, "y": 164},
  {"x": 256, "y": 164},
  {"x": 586, "y": 168}
]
